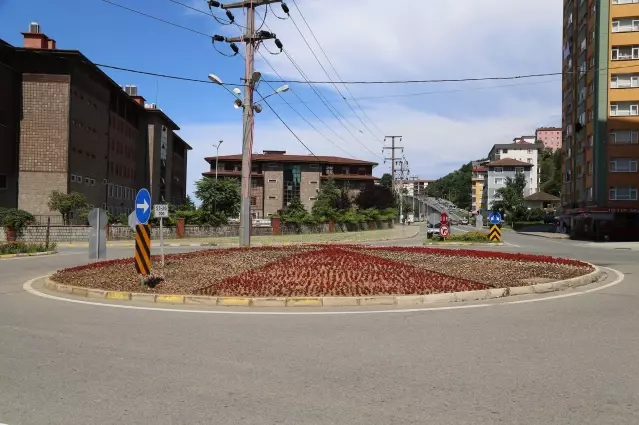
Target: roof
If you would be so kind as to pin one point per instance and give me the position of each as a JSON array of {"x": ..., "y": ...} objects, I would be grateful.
[
  {"x": 508, "y": 162},
  {"x": 419, "y": 181},
  {"x": 542, "y": 196},
  {"x": 260, "y": 157},
  {"x": 549, "y": 129},
  {"x": 479, "y": 168},
  {"x": 517, "y": 146},
  {"x": 164, "y": 116},
  {"x": 349, "y": 177}
]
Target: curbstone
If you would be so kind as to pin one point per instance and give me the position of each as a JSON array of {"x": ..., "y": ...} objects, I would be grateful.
[
  {"x": 96, "y": 293},
  {"x": 409, "y": 299},
  {"x": 444, "y": 297},
  {"x": 303, "y": 302},
  {"x": 118, "y": 295},
  {"x": 497, "y": 293},
  {"x": 340, "y": 301},
  {"x": 169, "y": 299},
  {"x": 377, "y": 300},
  {"x": 65, "y": 289},
  {"x": 233, "y": 302},
  {"x": 200, "y": 300},
  {"x": 49, "y": 284},
  {"x": 26, "y": 254},
  {"x": 520, "y": 290},
  {"x": 542, "y": 288},
  {"x": 268, "y": 302},
  {"x": 79, "y": 291},
  {"x": 471, "y": 295},
  {"x": 141, "y": 297}
]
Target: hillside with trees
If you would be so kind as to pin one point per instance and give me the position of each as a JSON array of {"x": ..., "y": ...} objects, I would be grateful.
[{"x": 455, "y": 186}]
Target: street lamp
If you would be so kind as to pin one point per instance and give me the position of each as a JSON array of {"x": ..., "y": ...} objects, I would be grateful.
[
  {"x": 247, "y": 144},
  {"x": 217, "y": 155}
]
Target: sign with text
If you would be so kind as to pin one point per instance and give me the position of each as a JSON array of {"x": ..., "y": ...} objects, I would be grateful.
[{"x": 161, "y": 211}]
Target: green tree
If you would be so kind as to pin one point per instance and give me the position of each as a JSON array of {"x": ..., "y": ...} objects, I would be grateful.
[
  {"x": 295, "y": 212},
  {"x": 510, "y": 199},
  {"x": 66, "y": 203},
  {"x": 189, "y": 205},
  {"x": 386, "y": 181},
  {"x": 379, "y": 197},
  {"x": 327, "y": 205},
  {"x": 550, "y": 179},
  {"x": 455, "y": 186},
  {"x": 220, "y": 199}
]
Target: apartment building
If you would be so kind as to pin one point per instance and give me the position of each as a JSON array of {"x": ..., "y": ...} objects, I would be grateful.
[
  {"x": 479, "y": 182},
  {"x": 497, "y": 173},
  {"x": 550, "y": 137},
  {"x": 601, "y": 117},
  {"x": 521, "y": 150},
  {"x": 417, "y": 187},
  {"x": 71, "y": 128},
  {"x": 277, "y": 178}
]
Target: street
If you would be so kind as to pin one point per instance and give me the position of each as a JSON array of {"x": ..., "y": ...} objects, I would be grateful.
[{"x": 562, "y": 360}]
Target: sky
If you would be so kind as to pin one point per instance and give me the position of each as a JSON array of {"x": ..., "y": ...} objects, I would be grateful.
[{"x": 443, "y": 125}]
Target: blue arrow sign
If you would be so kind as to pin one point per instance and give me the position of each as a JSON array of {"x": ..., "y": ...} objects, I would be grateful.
[
  {"x": 494, "y": 217},
  {"x": 143, "y": 206}
]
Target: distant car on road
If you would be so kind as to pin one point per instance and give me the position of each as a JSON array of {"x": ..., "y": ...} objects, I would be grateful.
[
  {"x": 433, "y": 229},
  {"x": 464, "y": 221}
]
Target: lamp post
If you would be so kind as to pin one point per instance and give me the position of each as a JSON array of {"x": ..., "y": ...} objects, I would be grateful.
[
  {"x": 249, "y": 108},
  {"x": 217, "y": 155}
]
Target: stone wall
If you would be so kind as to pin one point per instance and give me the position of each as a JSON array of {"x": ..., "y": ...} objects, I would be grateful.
[{"x": 63, "y": 234}]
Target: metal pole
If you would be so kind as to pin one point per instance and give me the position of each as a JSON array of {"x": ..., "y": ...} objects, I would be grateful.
[
  {"x": 97, "y": 237},
  {"x": 47, "y": 236},
  {"x": 162, "y": 241},
  {"x": 247, "y": 143}
]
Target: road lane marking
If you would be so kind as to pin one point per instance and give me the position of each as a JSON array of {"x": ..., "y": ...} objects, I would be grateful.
[{"x": 28, "y": 286}]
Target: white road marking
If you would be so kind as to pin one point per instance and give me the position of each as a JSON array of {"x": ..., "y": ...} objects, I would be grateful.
[{"x": 28, "y": 286}]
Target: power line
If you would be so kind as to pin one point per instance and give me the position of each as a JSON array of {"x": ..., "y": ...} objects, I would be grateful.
[
  {"x": 171, "y": 77},
  {"x": 207, "y": 13},
  {"x": 335, "y": 70},
  {"x": 329, "y": 77}
]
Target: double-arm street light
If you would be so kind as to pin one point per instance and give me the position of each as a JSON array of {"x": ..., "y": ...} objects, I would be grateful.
[
  {"x": 249, "y": 108},
  {"x": 217, "y": 155}
]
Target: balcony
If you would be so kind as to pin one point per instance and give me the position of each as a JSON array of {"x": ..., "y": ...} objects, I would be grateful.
[
  {"x": 625, "y": 25},
  {"x": 622, "y": 53},
  {"x": 624, "y": 109}
]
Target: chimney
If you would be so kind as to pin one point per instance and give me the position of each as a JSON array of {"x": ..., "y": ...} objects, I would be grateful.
[
  {"x": 139, "y": 99},
  {"x": 34, "y": 39}
]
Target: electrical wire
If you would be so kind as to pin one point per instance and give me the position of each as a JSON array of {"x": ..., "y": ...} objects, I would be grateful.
[
  {"x": 334, "y": 69},
  {"x": 286, "y": 125},
  {"x": 222, "y": 21},
  {"x": 328, "y": 75}
]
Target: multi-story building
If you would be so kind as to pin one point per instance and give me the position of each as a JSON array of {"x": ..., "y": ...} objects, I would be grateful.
[
  {"x": 550, "y": 137},
  {"x": 498, "y": 172},
  {"x": 71, "y": 128},
  {"x": 417, "y": 187},
  {"x": 522, "y": 151},
  {"x": 601, "y": 115},
  {"x": 479, "y": 196},
  {"x": 278, "y": 178}
]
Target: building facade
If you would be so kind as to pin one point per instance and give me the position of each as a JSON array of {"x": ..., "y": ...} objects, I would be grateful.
[
  {"x": 278, "y": 178},
  {"x": 479, "y": 195},
  {"x": 417, "y": 187},
  {"x": 601, "y": 116},
  {"x": 550, "y": 137},
  {"x": 74, "y": 129},
  {"x": 497, "y": 173},
  {"x": 522, "y": 151}
]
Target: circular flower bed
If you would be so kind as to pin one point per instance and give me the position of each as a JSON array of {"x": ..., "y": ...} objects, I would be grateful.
[{"x": 313, "y": 271}]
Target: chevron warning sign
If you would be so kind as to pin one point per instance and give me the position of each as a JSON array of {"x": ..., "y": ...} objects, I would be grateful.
[
  {"x": 495, "y": 233},
  {"x": 143, "y": 249}
]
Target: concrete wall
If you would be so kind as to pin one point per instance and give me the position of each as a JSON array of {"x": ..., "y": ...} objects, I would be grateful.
[{"x": 273, "y": 188}]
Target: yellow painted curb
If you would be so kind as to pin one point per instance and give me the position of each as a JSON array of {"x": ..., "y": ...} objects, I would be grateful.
[
  {"x": 233, "y": 302},
  {"x": 303, "y": 302},
  {"x": 171, "y": 299},
  {"x": 117, "y": 295}
]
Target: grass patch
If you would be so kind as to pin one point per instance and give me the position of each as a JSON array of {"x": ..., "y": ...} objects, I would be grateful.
[
  {"x": 25, "y": 248},
  {"x": 469, "y": 237}
]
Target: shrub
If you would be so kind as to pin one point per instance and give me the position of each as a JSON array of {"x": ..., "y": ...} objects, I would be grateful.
[
  {"x": 466, "y": 237},
  {"x": 16, "y": 219},
  {"x": 25, "y": 248},
  {"x": 521, "y": 224}
]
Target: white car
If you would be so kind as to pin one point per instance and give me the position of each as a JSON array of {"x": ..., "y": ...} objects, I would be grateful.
[{"x": 464, "y": 221}]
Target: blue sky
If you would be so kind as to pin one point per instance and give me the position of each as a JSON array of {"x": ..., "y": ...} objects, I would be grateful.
[{"x": 365, "y": 40}]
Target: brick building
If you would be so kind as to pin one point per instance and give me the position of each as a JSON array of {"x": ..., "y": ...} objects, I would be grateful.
[
  {"x": 70, "y": 128},
  {"x": 278, "y": 178},
  {"x": 550, "y": 137}
]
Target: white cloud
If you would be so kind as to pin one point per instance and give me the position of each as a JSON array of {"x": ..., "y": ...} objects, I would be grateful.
[{"x": 378, "y": 39}]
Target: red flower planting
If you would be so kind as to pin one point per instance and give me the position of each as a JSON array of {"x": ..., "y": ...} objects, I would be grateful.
[{"x": 337, "y": 272}]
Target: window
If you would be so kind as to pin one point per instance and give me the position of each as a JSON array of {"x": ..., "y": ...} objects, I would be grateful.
[
  {"x": 314, "y": 166},
  {"x": 530, "y": 151},
  {"x": 72, "y": 178},
  {"x": 623, "y": 109},
  {"x": 591, "y": 139},
  {"x": 530, "y": 160},
  {"x": 272, "y": 197},
  {"x": 78, "y": 179},
  {"x": 589, "y": 167},
  {"x": 272, "y": 165},
  {"x": 591, "y": 115},
  {"x": 519, "y": 169},
  {"x": 624, "y": 136},
  {"x": 92, "y": 182},
  {"x": 272, "y": 180},
  {"x": 589, "y": 192},
  {"x": 624, "y": 1},
  {"x": 312, "y": 199},
  {"x": 623, "y": 193},
  {"x": 3, "y": 182},
  {"x": 625, "y": 25},
  {"x": 504, "y": 151},
  {"x": 110, "y": 190},
  {"x": 499, "y": 180},
  {"x": 253, "y": 201},
  {"x": 499, "y": 170},
  {"x": 623, "y": 165},
  {"x": 313, "y": 182},
  {"x": 623, "y": 81},
  {"x": 624, "y": 53}
]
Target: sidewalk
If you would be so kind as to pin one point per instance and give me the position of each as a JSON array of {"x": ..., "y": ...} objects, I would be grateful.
[
  {"x": 398, "y": 232},
  {"x": 547, "y": 235},
  {"x": 629, "y": 246}
]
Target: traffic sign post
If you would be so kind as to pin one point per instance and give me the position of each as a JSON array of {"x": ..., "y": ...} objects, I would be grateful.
[
  {"x": 143, "y": 206},
  {"x": 443, "y": 218},
  {"x": 495, "y": 233},
  {"x": 161, "y": 211},
  {"x": 494, "y": 217},
  {"x": 143, "y": 249},
  {"x": 444, "y": 231}
]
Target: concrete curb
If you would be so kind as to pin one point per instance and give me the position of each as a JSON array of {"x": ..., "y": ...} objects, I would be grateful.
[
  {"x": 386, "y": 300},
  {"x": 463, "y": 244},
  {"x": 29, "y": 254},
  {"x": 542, "y": 236}
]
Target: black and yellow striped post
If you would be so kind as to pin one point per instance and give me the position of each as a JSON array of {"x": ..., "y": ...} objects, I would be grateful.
[
  {"x": 495, "y": 233},
  {"x": 143, "y": 249}
]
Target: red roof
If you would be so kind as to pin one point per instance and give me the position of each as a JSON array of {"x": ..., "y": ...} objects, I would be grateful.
[
  {"x": 508, "y": 162},
  {"x": 260, "y": 157},
  {"x": 349, "y": 177}
]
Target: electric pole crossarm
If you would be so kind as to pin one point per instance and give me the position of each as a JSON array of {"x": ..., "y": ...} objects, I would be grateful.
[
  {"x": 253, "y": 3},
  {"x": 262, "y": 35}
]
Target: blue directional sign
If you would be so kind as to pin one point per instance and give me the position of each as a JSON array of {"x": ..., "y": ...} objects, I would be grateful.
[
  {"x": 494, "y": 217},
  {"x": 143, "y": 206}
]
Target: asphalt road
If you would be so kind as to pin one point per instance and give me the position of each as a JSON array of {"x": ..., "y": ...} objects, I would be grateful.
[{"x": 568, "y": 360}]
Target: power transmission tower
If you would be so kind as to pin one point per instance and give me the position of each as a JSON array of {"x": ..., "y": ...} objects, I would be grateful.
[
  {"x": 392, "y": 148},
  {"x": 251, "y": 40},
  {"x": 403, "y": 173}
]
